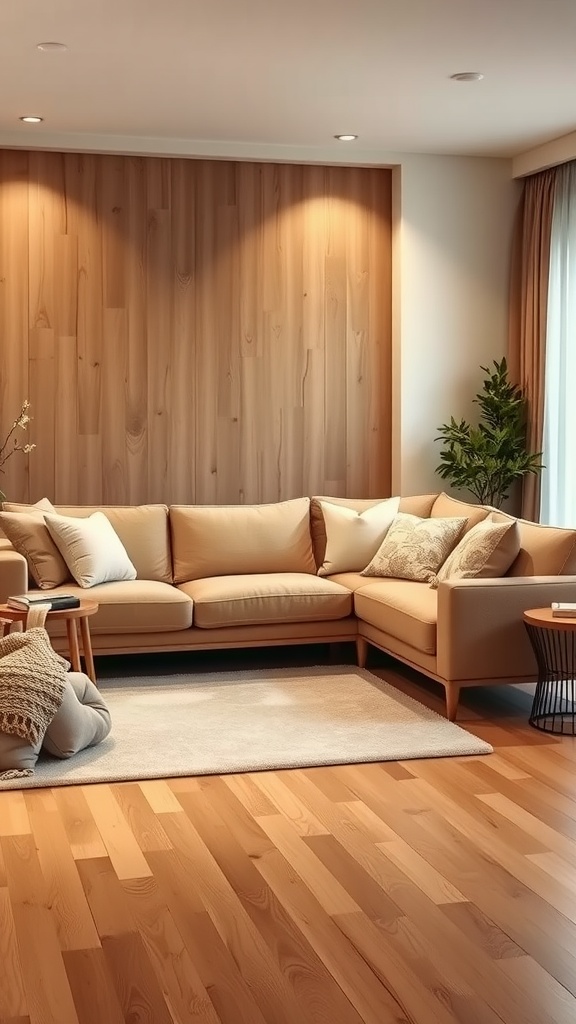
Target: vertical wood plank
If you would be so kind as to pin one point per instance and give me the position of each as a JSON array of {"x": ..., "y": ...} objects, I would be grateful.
[
  {"x": 220, "y": 331},
  {"x": 14, "y": 289}
]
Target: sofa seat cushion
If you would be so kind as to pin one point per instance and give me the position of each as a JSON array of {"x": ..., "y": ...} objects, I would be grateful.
[
  {"x": 129, "y": 606},
  {"x": 350, "y": 580},
  {"x": 401, "y": 608},
  {"x": 266, "y": 598}
]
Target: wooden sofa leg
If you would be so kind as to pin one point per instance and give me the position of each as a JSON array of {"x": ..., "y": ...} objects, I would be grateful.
[
  {"x": 452, "y": 698},
  {"x": 361, "y": 651}
]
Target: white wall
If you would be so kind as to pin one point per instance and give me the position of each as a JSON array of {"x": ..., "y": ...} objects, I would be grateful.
[{"x": 452, "y": 240}]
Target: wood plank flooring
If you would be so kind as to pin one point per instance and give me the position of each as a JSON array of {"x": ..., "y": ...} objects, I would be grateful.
[{"x": 421, "y": 892}]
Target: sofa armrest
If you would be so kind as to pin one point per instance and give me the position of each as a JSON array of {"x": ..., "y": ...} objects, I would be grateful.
[
  {"x": 480, "y": 631},
  {"x": 13, "y": 574}
]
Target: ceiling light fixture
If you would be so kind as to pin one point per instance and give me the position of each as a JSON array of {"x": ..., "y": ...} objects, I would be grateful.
[
  {"x": 31, "y": 119},
  {"x": 51, "y": 47},
  {"x": 345, "y": 138},
  {"x": 467, "y": 76}
]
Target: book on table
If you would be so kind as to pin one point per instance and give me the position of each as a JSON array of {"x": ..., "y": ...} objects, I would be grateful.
[
  {"x": 58, "y": 602},
  {"x": 564, "y": 609}
]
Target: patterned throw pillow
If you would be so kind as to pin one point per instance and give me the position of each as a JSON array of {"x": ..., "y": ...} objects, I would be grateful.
[
  {"x": 414, "y": 548},
  {"x": 486, "y": 551}
]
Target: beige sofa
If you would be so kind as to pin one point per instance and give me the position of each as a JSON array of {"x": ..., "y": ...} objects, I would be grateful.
[{"x": 242, "y": 576}]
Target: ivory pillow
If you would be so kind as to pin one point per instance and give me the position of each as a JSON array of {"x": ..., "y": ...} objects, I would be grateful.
[
  {"x": 91, "y": 549},
  {"x": 486, "y": 551},
  {"x": 414, "y": 548},
  {"x": 26, "y": 530},
  {"x": 353, "y": 538}
]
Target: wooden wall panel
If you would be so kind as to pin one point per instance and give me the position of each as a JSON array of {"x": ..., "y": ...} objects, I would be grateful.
[{"x": 194, "y": 331}]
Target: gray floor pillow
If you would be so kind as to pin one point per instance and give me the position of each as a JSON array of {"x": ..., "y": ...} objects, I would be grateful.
[
  {"x": 17, "y": 754},
  {"x": 82, "y": 720}
]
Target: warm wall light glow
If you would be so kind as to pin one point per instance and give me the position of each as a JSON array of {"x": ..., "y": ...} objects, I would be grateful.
[
  {"x": 346, "y": 138},
  {"x": 31, "y": 119}
]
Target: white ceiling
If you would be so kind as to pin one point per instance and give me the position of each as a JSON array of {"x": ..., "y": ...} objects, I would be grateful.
[{"x": 289, "y": 73}]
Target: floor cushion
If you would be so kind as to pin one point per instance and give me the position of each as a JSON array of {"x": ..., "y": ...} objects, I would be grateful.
[{"x": 82, "y": 720}]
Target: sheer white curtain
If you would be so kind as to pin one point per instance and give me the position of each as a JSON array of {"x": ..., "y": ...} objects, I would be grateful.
[{"x": 558, "y": 485}]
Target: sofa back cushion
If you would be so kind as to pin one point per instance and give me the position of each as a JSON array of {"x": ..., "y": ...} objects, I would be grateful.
[
  {"x": 24, "y": 527},
  {"x": 144, "y": 532},
  {"x": 415, "y": 505},
  {"x": 227, "y": 540},
  {"x": 445, "y": 506},
  {"x": 544, "y": 550}
]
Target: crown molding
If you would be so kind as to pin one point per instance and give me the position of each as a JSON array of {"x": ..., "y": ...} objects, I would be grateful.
[
  {"x": 557, "y": 151},
  {"x": 339, "y": 153}
]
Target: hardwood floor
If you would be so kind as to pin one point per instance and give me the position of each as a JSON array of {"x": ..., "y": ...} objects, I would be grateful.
[{"x": 421, "y": 892}]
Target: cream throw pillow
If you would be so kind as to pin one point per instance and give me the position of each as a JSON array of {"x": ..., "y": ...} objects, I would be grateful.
[
  {"x": 91, "y": 549},
  {"x": 26, "y": 530},
  {"x": 486, "y": 551},
  {"x": 353, "y": 538},
  {"x": 414, "y": 548}
]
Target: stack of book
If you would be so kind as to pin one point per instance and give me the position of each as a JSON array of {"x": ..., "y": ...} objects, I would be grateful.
[
  {"x": 564, "y": 609},
  {"x": 59, "y": 602}
]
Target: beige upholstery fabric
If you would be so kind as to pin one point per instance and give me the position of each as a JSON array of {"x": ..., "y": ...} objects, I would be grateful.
[
  {"x": 487, "y": 550},
  {"x": 44, "y": 505},
  {"x": 417, "y": 505},
  {"x": 351, "y": 580},
  {"x": 266, "y": 598},
  {"x": 13, "y": 574},
  {"x": 445, "y": 506},
  {"x": 222, "y": 540},
  {"x": 131, "y": 606},
  {"x": 29, "y": 535},
  {"x": 414, "y": 548},
  {"x": 91, "y": 549},
  {"x": 144, "y": 531},
  {"x": 544, "y": 550},
  {"x": 353, "y": 538},
  {"x": 402, "y": 608},
  {"x": 481, "y": 634}
]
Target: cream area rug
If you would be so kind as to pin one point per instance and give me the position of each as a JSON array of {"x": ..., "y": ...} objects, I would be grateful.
[{"x": 213, "y": 723}]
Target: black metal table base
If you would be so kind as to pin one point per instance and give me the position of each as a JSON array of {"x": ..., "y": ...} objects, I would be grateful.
[{"x": 553, "y": 707}]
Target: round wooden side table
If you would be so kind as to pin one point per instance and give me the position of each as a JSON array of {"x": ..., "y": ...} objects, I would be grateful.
[
  {"x": 71, "y": 616},
  {"x": 553, "y": 641}
]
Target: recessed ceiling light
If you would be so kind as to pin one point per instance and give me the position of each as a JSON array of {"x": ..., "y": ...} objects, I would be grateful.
[
  {"x": 51, "y": 47},
  {"x": 345, "y": 138},
  {"x": 467, "y": 76},
  {"x": 31, "y": 119}
]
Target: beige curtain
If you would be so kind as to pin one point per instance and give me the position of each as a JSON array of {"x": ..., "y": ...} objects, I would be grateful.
[{"x": 528, "y": 309}]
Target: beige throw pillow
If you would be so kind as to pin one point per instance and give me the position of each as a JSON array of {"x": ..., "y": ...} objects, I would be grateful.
[
  {"x": 26, "y": 530},
  {"x": 486, "y": 551},
  {"x": 414, "y": 548},
  {"x": 91, "y": 549},
  {"x": 353, "y": 538}
]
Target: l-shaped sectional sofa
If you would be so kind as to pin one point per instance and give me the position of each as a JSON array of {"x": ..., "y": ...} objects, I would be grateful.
[{"x": 246, "y": 575}]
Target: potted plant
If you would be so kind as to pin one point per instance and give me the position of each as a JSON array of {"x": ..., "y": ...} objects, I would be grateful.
[{"x": 488, "y": 459}]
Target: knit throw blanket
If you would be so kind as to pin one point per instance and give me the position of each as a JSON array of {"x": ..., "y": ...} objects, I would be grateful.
[{"x": 31, "y": 684}]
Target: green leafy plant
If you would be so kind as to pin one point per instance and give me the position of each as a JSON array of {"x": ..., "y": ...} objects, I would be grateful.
[
  {"x": 488, "y": 459},
  {"x": 11, "y": 443}
]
